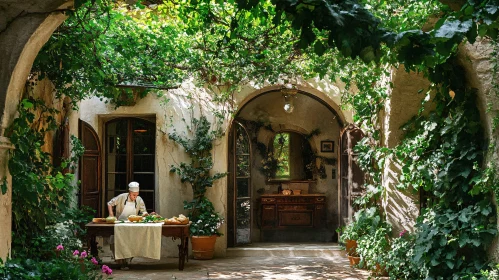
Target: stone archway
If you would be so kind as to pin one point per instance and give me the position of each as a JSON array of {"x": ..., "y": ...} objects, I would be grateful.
[
  {"x": 24, "y": 28},
  {"x": 267, "y": 104}
]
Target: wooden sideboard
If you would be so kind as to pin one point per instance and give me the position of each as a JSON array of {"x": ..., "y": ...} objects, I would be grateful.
[{"x": 293, "y": 211}]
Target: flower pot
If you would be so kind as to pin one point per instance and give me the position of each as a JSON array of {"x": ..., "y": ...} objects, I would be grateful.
[
  {"x": 379, "y": 271},
  {"x": 351, "y": 247},
  {"x": 82, "y": 265},
  {"x": 203, "y": 247},
  {"x": 354, "y": 260}
]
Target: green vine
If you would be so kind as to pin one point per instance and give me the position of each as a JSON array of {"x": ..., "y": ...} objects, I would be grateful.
[
  {"x": 43, "y": 193},
  {"x": 197, "y": 173}
]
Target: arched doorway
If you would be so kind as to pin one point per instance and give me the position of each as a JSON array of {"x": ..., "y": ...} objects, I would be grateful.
[{"x": 266, "y": 123}]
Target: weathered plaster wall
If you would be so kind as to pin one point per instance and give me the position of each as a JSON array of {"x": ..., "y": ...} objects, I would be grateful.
[
  {"x": 170, "y": 193},
  {"x": 401, "y": 207},
  {"x": 5, "y": 200},
  {"x": 477, "y": 61},
  {"x": 24, "y": 28}
]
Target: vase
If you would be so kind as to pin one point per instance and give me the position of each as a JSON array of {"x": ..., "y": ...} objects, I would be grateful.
[
  {"x": 203, "y": 247},
  {"x": 351, "y": 247},
  {"x": 353, "y": 260}
]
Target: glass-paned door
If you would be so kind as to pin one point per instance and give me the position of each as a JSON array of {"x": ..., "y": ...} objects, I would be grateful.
[
  {"x": 130, "y": 156},
  {"x": 242, "y": 186}
]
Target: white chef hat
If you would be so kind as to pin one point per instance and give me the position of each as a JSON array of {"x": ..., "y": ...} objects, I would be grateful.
[{"x": 133, "y": 187}]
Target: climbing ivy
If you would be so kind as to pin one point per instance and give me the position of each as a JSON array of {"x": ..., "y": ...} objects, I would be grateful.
[{"x": 43, "y": 193}]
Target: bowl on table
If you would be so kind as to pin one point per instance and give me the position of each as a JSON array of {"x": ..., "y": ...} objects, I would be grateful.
[{"x": 134, "y": 218}]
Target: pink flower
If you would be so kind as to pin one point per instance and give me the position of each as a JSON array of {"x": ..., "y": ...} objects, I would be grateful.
[
  {"x": 83, "y": 254},
  {"x": 402, "y": 233},
  {"x": 94, "y": 261},
  {"x": 76, "y": 253},
  {"x": 107, "y": 270},
  {"x": 59, "y": 247}
]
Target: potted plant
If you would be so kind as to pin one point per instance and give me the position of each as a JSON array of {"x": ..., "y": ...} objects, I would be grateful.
[
  {"x": 204, "y": 228},
  {"x": 205, "y": 220},
  {"x": 364, "y": 221}
]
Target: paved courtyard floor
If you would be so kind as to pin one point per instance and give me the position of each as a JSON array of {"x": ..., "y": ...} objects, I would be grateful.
[{"x": 270, "y": 267}]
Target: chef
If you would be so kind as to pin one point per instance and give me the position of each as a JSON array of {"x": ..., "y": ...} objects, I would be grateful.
[{"x": 127, "y": 203}]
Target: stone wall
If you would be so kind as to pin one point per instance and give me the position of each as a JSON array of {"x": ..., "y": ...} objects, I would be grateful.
[
  {"x": 401, "y": 207},
  {"x": 476, "y": 60}
]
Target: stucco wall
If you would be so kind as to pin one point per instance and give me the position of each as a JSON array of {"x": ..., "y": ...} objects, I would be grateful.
[
  {"x": 170, "y": 193},
  {"x": 401, "y": 207},
  {"x": 477, "y": 61}
]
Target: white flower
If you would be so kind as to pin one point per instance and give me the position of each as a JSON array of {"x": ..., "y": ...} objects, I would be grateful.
[
  {"x": 200, "y": 221},
  {"x": 212, "y": 215}
]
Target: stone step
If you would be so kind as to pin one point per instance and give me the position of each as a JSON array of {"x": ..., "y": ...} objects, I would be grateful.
[{"x": 287, "y": 250}]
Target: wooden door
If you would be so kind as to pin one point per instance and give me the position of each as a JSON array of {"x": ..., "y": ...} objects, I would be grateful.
[
  {"x": 352, "y": 177},
  {"x": 239, "y": 189},
  {"x": 90, "y": 169}
]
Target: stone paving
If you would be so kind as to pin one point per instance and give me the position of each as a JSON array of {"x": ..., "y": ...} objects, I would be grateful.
[{"x": 330, "y": 267}]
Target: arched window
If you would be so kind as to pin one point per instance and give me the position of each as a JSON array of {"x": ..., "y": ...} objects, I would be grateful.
[{"x": 130, "y": 156}]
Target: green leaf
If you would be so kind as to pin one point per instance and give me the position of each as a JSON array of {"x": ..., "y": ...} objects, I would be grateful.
[
  {"x": 450, "y": 264},
  {"x": 452, "y": 28}
]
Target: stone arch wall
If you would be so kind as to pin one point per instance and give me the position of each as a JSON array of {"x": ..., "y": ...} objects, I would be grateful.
[
  {"x": 25, "y": 26},
  {"x": 311, "y": 89}
]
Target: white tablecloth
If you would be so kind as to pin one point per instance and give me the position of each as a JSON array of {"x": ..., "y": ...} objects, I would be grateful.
[{"x": 137, "y": 240}]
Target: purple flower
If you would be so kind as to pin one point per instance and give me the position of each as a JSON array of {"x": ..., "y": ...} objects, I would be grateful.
[
  {"x": 59, "y": 247},
  {"x": 402, "y": 233},
  {"x": 76, "y": 253},
  {"x": 107, "y": 270},
  {"x": 83, "y": 254},
  {"x": 94, "y": 261}
]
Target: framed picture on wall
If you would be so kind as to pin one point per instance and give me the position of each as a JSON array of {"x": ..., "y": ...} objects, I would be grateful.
[{"x": 327, "y": 146}]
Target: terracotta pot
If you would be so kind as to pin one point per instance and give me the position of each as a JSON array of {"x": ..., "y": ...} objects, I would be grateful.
[
  {"x": 351, "y": 247},
  {"x": 380, "y": 271},
  {"x": 82, "y": 265},
  {"x": 203, "y": 247},
  {"x": 354, "y": 260}
]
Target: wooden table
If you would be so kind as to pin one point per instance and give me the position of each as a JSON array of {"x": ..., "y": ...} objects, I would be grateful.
[{"x": 173, "y": 231}]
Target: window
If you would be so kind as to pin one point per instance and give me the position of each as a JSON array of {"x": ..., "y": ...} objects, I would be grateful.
[
  {"x": 130, "y": 156},
  {"x": 293, "y": 156},
  {"x": 281, "y": 153}
]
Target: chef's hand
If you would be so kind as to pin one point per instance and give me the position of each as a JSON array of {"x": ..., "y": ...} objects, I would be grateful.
[{"x": 145, "y": 214}]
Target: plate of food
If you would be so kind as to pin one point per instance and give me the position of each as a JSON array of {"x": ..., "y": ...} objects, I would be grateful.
[
  {"x": 180, "y": 220},
  {"x": 99, "y": 220}
]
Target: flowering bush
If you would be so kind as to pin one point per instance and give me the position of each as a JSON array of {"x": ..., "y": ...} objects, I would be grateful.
[
  {"x": 66, "y": 265},
  {"x": 205, "y": 221}
]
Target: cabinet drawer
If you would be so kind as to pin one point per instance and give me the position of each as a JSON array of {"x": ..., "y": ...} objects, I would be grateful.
[
  {"x": 269, "y": 199},
  {"x": 301, "y": 219}
]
